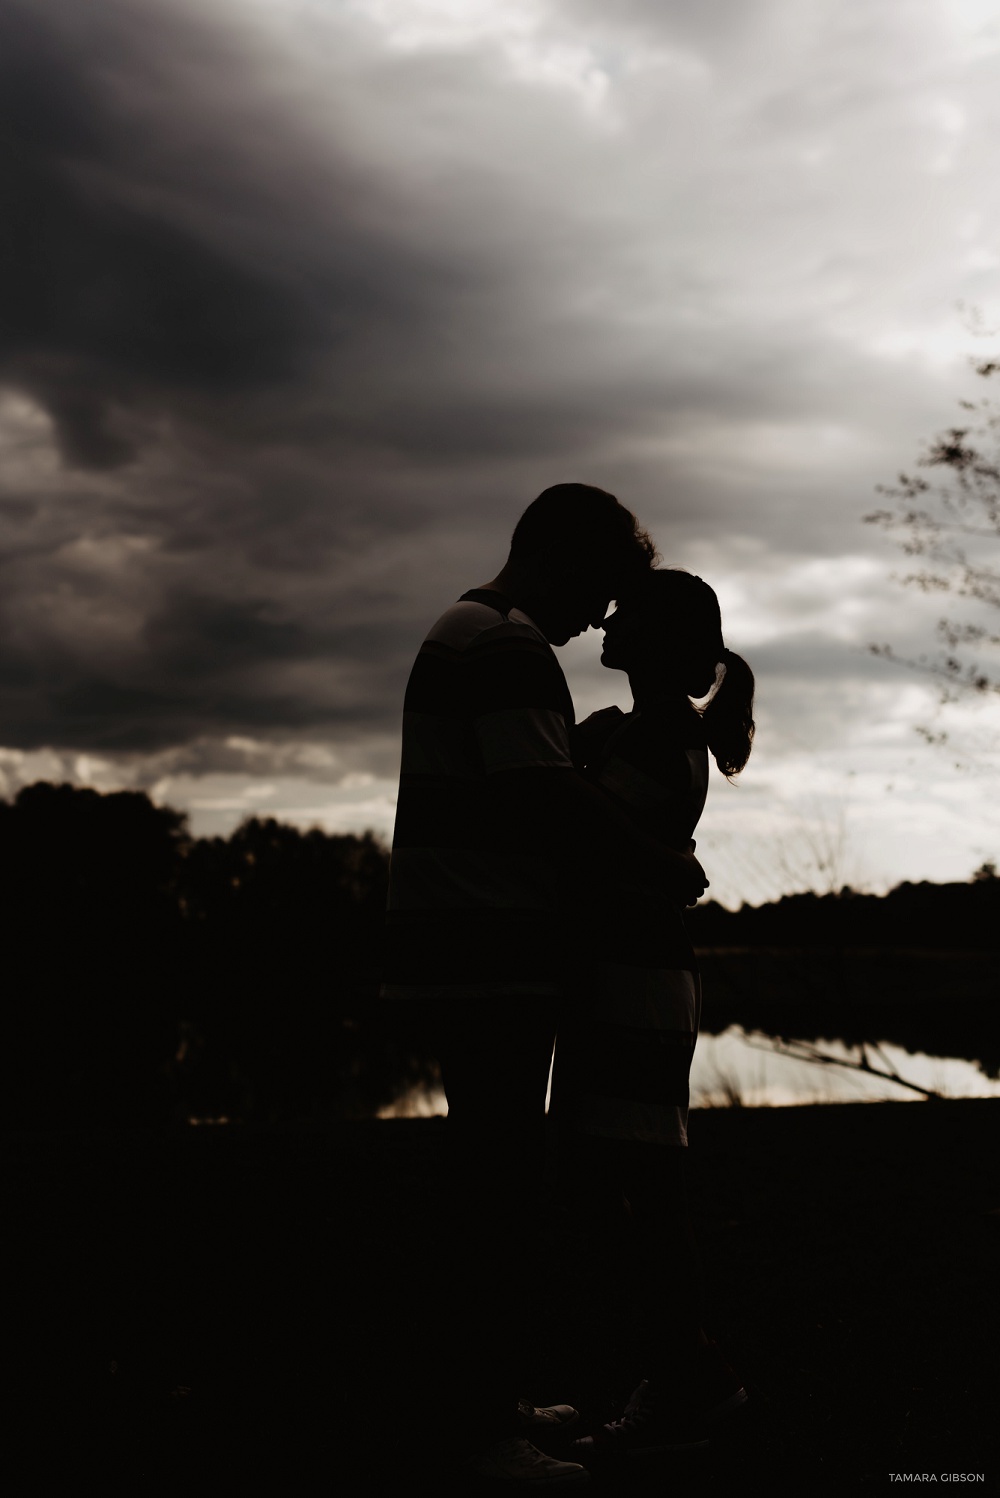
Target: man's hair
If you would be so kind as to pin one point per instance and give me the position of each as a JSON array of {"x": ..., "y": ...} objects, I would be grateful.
[{"x": 590, "y": 520}]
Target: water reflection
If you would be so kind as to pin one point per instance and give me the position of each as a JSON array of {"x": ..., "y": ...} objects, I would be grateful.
[
  {"x": 735, "y": 1064},
  {"x": 735, "y": 1068}
]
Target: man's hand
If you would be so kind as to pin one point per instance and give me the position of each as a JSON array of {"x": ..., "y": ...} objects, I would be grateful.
[
  {"x": 590, "y": 736},
  {"x": 692, "y": 880},
  {"x": 679, "y": 876}
]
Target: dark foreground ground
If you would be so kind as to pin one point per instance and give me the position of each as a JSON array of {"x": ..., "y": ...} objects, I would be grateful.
[{"x": 231, "y": 1311}]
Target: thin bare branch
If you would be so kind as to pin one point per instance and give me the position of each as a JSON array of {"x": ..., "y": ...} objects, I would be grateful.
[
  {"x": 932, "y": 522},
  {"x": 803, "y": 1050}
]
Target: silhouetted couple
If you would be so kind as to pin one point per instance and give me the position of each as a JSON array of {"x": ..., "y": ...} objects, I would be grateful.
[{"x": 538, "y": 878}]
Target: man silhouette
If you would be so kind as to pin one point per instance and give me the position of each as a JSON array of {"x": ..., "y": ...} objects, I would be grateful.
[{"x": 499, "y": 851}]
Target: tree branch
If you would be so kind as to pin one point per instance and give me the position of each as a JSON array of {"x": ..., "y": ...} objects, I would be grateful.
[{"x": 807, "y": 1052}]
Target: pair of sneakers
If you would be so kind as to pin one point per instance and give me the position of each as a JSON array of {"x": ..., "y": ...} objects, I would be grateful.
[{"x": 661, "y": 1416}]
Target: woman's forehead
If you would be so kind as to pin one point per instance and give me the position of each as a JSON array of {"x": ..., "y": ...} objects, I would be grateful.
[{"x": 629, "y": 607}]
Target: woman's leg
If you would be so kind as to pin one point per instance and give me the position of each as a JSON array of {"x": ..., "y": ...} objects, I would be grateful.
[
  {"x": 688, "y": 1386},
  {"x": 668, "y": 1300}
]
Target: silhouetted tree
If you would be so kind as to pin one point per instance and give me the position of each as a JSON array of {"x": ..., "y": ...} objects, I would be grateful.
[
  {"x": 284, "y": 935},
  {"x": 951, "y": 530},
  {"x": 87, "y": 885},
  {"x": 151, "y": 975},
  {"x": 943, "y": 916}
]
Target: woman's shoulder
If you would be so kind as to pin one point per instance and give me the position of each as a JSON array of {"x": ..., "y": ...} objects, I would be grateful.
[{"x": 656, "y": 750}]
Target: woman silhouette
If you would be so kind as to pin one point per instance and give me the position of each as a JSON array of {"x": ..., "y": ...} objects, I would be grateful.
[{"x": 623, "y": 1057}]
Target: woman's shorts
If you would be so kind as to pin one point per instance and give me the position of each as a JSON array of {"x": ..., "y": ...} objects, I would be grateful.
[{"x": 623, "y": 1055}]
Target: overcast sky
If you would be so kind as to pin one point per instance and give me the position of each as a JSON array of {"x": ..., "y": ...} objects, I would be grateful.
[{"x": 305, "y": 301}]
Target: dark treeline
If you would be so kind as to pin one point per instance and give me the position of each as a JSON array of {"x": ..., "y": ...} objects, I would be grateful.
[
  {"x": 151, "y": 976},
  {"x": 938, "y": 916}
]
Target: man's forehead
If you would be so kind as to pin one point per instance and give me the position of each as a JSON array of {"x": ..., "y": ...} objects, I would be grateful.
[{"x": 625, "y": 598}]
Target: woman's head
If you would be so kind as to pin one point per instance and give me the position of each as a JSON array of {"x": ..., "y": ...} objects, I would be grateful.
[
  {"x": 667, "y": 634},
  {"x": 668, "y": 626}
]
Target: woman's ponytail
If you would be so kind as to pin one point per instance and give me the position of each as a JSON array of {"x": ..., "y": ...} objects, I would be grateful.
[{"x": 728, "y": 718}]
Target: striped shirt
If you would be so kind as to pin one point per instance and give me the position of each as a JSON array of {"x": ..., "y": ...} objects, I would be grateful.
[{"x": 475, "y": 904}]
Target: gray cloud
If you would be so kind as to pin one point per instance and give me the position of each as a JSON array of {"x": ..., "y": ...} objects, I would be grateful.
[{"x": 295, "y": 321}]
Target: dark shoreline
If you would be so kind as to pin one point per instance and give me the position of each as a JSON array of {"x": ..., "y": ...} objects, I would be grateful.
[{"x": 206, "y": 1306}]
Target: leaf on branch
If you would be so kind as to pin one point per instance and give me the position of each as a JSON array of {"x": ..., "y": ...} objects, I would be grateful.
[
  {"x": 964, "y": 634},
  {"x": 950, "y": 451}
]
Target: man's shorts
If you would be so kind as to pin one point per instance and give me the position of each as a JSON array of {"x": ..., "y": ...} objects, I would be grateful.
[{"x": 623, "y": 1054}]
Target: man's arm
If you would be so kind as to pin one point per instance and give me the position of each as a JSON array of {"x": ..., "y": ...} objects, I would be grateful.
[
  {"x": 518, "y": 694},
  {"x": 564, "y": 810}
]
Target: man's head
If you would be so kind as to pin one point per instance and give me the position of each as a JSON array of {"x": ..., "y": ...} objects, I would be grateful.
[{"x": 576, "y": 548}]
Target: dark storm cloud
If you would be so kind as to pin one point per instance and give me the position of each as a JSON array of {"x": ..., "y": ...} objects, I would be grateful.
[
  {"x": 238, "y": 664},
  {"x": 175, "y": 241},
  {"x": 168, "y": 251},
  {"x": 103, "y": 297},
  {"x": 186, "y": 281},
  {"x": 224, "y": 320}
]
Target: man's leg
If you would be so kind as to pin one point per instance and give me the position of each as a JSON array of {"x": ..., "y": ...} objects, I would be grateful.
[{"x": 495, "y": 1061}]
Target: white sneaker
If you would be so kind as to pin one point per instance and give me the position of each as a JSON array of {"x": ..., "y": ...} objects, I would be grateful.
[{"x": 516, "y": 1461}]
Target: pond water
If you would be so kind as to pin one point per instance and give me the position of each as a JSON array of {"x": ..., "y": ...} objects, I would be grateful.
[{"x": 737, "y": 1067}]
